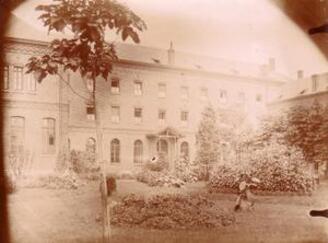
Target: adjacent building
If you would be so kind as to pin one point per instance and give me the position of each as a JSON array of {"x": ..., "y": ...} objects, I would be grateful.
[{"x": 302, "y": 91}]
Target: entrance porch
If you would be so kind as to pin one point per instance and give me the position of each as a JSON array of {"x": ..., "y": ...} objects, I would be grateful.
[{"x": 165, "y": 143}]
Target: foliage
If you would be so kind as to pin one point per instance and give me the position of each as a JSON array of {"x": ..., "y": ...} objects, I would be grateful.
[
  {"x": 83, "y": 162},
  {"x": 207, "y": 142},
  {"x": 279, "y": 168},
  {"x": 303, "y": 127},
  {"x": 159, "y": 164},
  {"x": 67, "y": 180},
  {"x": 156, "y": 173},
  {"x": 18, "y": 165},
  {"x": 185, "y": 170},
  {"x": 63, "y": 161},
  {"x": 87, "y": 52},
  {"x": 169, "y": 212},
  {"x": 159, "y": 178}
]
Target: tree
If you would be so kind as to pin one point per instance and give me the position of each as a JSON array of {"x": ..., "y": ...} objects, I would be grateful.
[
  {"x": 207, "y": 142},
  {"x": 87, "y": 53},
  {"x": 303, "y": 127}
]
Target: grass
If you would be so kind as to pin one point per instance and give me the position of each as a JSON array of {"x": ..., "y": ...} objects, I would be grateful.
[{"x": 42, "y": 215}]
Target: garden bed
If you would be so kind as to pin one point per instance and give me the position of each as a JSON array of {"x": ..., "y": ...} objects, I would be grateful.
[{"x": 169, "y": 212}]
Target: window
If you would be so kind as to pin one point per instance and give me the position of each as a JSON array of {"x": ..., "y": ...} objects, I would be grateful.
[
  {"x": 203, "y": 93},
  {"x": 138, "y": 115},
  {"x": 137, "y": 151},
  {"x": 17, "y": 134},
  {"x": 31, "y": 83},
  {"x": 184, "y": 149},
  {"x": 115, "y": 114},
  {"x": 223, "y": 96},
  {"x": 6, "y": 77},
  {"x": 115, "y": 151},
  {"x": 161, "y": 116},
  {"x": 162, "y": 90},
  {"x": 259, "y": 98},
  {"x": 115, "y": 86},
  {"x": 18, "y": 78},
  {"x": 91, "y": 113},
  {"x": 184, "y": 117},
  {"x": 314, "y": 83},
  {"x": 138, "y": 88},
  {"x": 91, "y": 145},
  {"x": 49, "y": 135},
  {"x": 184, "y": 92}
]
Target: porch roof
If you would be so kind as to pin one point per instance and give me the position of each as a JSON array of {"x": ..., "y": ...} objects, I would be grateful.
[{"x": 168, "y": 132}]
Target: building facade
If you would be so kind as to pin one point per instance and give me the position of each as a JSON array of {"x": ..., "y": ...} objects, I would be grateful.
[
  {"x": 151, "y": 103},
  {"x": 302, "y": 91}
]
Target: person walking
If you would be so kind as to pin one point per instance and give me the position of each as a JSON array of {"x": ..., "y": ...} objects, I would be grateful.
[{"x": 246, "y": 182}]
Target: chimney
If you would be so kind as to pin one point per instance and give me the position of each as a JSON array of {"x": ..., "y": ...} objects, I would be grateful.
[
  {"x": 171, "y": 54},
  {"x": 300, "y": 74},
  {"x": 272, "y": 64}
]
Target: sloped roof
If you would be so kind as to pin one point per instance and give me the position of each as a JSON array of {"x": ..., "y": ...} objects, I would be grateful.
[{"x": 18, "y": 28}]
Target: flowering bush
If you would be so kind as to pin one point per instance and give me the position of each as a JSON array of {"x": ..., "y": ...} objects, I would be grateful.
[
  {"x": 83, "y": 162},
  {"x": 169, "y": 212},
  {"x": 157, "y": 164},
  {"x": 279, "y": 168},
  {"x": 186, "y": 171},
  {"x": 159, "y": 178}
]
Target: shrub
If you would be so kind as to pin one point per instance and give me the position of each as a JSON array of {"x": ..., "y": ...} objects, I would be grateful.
[
  {"x": 158, "y": 164},
  {"x": 83, "y": 162},
  {"x": 169, "y": 212},
  {"x": 279, "y": 168},
  {"x": 186, "y": 171},
  {"x": 159, "y": 178},
  {"x": 67, "y": 180},
  {"x": 63, "y": 161}
]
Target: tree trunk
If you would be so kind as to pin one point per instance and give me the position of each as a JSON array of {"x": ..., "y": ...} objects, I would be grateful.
[{"x": 102, "y": 163}]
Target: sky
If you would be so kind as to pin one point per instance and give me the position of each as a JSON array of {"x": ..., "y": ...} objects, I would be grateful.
[{"x": 251, "y": 31}]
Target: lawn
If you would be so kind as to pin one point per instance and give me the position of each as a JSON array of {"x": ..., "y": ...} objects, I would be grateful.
[{"x": 43, "y": 215}]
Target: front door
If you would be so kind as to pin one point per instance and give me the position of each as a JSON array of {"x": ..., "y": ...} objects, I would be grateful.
[{"x": 163, "y": 149}]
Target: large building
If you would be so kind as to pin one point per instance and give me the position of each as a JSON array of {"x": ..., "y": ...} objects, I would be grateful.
[{"x": 151, "y": 103}]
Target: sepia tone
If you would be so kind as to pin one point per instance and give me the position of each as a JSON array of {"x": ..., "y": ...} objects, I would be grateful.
[{"x": 175, "y": 144}]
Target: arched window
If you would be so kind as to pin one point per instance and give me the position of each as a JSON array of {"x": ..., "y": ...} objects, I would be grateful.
[
  {"x": 184, "y": 149},
  {"x": 91, "y": 145},
  {"x": 49, "y": 135},
  {"x": 137, "y": 151},
  {"x": 162, "y": 146},
  {"x": 115, "y": 151}
]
